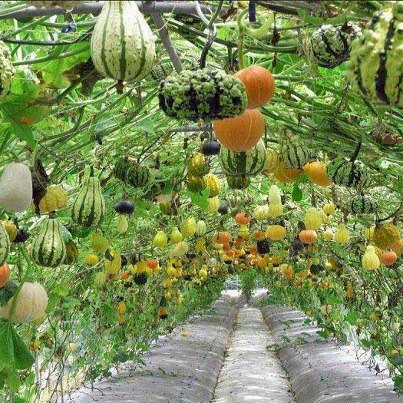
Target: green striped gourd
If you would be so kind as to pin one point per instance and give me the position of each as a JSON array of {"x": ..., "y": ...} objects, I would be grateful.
[
  {"x": 330, "y": 45},
  {"x": 348, "y": 173},
  {"x": 238, "y": 182},
  {"x": 248, "y": 163},
  {"x": 292, "y": 153},
  {"x": 89, "y": 206},
  {"x": 122, "y": 44},
  {"x": 362, "y": 205},
  {"x": 131, "y": 173},
  {"x": 4, "y": 244},
  {"x": 376, "y": 65},
  {"x": 48, "y": 247}
]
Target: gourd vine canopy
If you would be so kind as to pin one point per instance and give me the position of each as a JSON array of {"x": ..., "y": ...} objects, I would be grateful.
[{"x": 151, "y": 151}]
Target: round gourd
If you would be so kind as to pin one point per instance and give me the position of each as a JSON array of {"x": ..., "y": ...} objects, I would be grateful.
[
  {"x": 292, "y": 153},
  {"x": 201, "y": 227},
  {"x": 30, "y": 305},
  {"x": 99, "y": 242},
  {"x": 4, "y": 244},
  {"x": 48, "y": 247},
  {"x": 317, "y": 172},
  {"x": 197, "y": 165},
  {"x": 211, "y": 148},
  {"x": 113, "y": 263},
  {"x": 388, "y": 258},
  {"x": 196, "y": 183},
  {"x": 176, "y": 236},
  {"x": 180, "y": 249},
  {"x": 202, "y": 94},
  {"x": 376, "y": 63},
  {"x": 71, "y": 253},
  {"x": 308, "y": 236},
  {"x": 11, "y": 229},
  {"x": 131, "y": 173},
  {"x": 237, "y": 182},
  {"x": 242, "y": 132},
  {"x": 91, "y": 260},
  {"x": 275, "y": 210},
  {"x": 4, "y": 274},
  {"x": 261, "y": 213},
  {"x": 329, "y": 208},
  {"x": 16, "y": 187},
  {"x": 386, "y": 235},
  {"x": 330, "y": 45},
  {"x": 259, "y": 84},
  {"x": 242, "y": 219},
  {"x": 188, "y": 227},
  {"x": 348, "y": 173},
  {"x": 88, "y": 208},
  {"x": 7, "y": 70},
  {"x": 124, "y": 207},
  {"x": 222, "y": 237},
  {"x": 122, "y": 43},
  {"x": 276, "y": 232},
  {"x": 160, "y": 240},
  {"x": 213, "y": 204},
  {"x": 247, "y": 163},
  {"x": 55, "y": 198}
]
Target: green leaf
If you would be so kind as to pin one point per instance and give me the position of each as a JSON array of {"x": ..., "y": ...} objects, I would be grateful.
[
  {"x": 296, "y": 193},
  {"x": 352, "y": 317},
  {"x": 398, "y": 380},
  {"x": 24, "y": 133},
  {"x": 23, "y": 357},
  {"x": 7, "y": 359},
  {"x": 109, "y": 313},
  {"x": 199, "y": 199},
  {"x": 7, "y": 292}
]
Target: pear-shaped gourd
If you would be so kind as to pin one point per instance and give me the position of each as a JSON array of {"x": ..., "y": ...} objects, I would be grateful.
[
  {"x": 89, "y": 206},
  {"x": 370, "y": 260},
  {"x": 176, "y": 236},
  {"x": 201, "y": 227},
  {"x": 16, "y": 187},
  {"x": 160, "y": 240},
  {"x": 188, "y": 227},
  {"x": 312, "y": 219},
  {"x": 122, "y": 44},
  {"x": 4, "y": 244},
  {"x": 342, "y": 234},
  {"x": 48, "y": 247}
]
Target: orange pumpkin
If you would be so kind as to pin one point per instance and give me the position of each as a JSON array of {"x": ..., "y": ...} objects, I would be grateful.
[
  {"x": 259, "y": 84},
  {"x": 317, "y": 173},
  {"x": 242, "y": 132},
  {"x": 388, "y": 258},
  {"x": 242, "y": 219},
  {"x": 308, "y": 236},
  {"x": 285, "y": 175},
  {"x": 222, "y": 237},
  {"x": 4, "y": 274}
]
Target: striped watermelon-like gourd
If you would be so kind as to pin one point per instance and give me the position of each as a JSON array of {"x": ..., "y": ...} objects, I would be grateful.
[
  {"x": 131, "y": 173},
  {"x": 4, "y": 244},
  {"x": 48, "y": 248},
  {"x": 238, "y": 182},
  {"x": 376, "y": 65},
  {"x": 363, "y": 205},
  {"x": 89, "y": 206},
  {"x": 293, "y": 153},
  {"x": 348, "y": 173},
  {"x": 248, "y": 163},
  {"x": 122, "y": 44}
]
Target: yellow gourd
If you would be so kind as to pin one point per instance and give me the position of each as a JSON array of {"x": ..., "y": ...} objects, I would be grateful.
[
  {"x": 243, "y": 231},
  {"x": 370, "y": 260},
  {"x": 261, "y": 213},
  {"x": 386, "y": 235},
  {"x": 201, "y": 227},
  {"x": 200, "y": 245},
  {"x": 213, "y": 204},
  {"x": 160, "y": 239},
  {"x": 275, "y": 210},
  {"x": 276, "y": 232},
  {"x": 342, "y": 234},
  {"x": 180, "y": 249},
  {"x": 55, "y": 198},
  {"x": 176, "y": 236},
  {"x": 11, "y": 229},
  {"x": 188, "y": 227},
  {"x": 328, "y": 235},
  {"x": 91, "y": 259},
  {"x": 272, "y": 161},
  {"x": 99, "y": 242},
  {"x": 329, "y": 208},
  {"x": 313, "y": 219},
  {"x": 274, "y": 195},
  {"x": 213, "y": 184}
]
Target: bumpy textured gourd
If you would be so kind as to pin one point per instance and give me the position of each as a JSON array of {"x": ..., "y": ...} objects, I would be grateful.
[
  {"x": 122, "y": 43},
  {"x": 131, "y": 173},
  {"x": 16, "y": 187},
  {"x": 386, "y": 235},
  {"x": 330, "y": 45},
  {"x": 197, "y": 165},
  {"x": 202, "y": 94},
  {"x": 88, "y": 208},
  {"x": 362, "y": 205},
  {"x": 30, "y": 305},
  {"x": 196, "y": 183},
  {"x": 48, "y": 247},
  {"x": 55, "y": 198},
  {"x": 293, "y": 153},
  {"x": 247, "y": 163},
  {"x": 4, "y": 244},
  {"x": 376, "y": 64},
  {"x": 348, "y": 173},
  {"x": 7, "y": 71},
  {"x": 213, "y": 184}
]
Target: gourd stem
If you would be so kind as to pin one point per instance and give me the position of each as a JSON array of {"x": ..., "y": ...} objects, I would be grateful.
[{"x": 356, "y": 152}]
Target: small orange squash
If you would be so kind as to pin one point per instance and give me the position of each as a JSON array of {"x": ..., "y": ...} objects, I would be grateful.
[
  {"x": 259, "y": 84},
  {"x": 242, "y": 132},
  {"x": 222, "y": 237},
  {"x": 4, "y": 274},
  {"x": 308, "y": 236},
  {"x": 317, "y": 173},
  {"x": 242, "y": 219},
  {"x": 388, "y": 258}
]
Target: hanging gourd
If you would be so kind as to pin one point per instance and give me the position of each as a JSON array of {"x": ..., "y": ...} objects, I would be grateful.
[
  {"x": 259, "y": 84},
  {"x": 276, "y": 232},
  {"x": 285, "y": 175},
  {"x": 329, "y": 208},
  {"x": 131, "y": 173},
  {"x": 312, "y": 219},
  {"x": 292, "y": 152},
  {"x": 388, "y": 258},
  {"x": 196, "y": 183},
  {"x": 4, "y": 274},
  {"x": 197, "y": 165},
  {"x": 180, "y": 249},
  {"x": 188, "y": 227},
  {"x": 348, "y": 172},
  {"x": 10, "y": 228},
  {"x": 160, "y": 240},
  {"x": 202, "y": 94},
  {"x": 221, "y": 238},
  {"x": 242, "y": 132},
  {"x": 249, "y": 163},
  {"x": 55, "y": 198},
  {"x": 122, "y": 225},
  {"x": 30, "y": 305},
  {"x": 113, "y": 262},
  {"x": 210, "y": 148},
  {"x": 201, "y": 227},
  {"x": 237, "y": 182},
  {"x": 71, "y": 253},
  {"x": 370, "y": 260},
  {"x": 274, "y": 195},
  {"x": 4, "y": 244},
  {"x": 272, "y": 161},
  {"x": 16, "y": 187},
  {"x": 7, "y": 70},
  {"x": 275, "y": 210},
  {"x": 308, "y": 236},
  {"x": 261, "y": 213},
  {"x": 385, "y": 235},
  {"x": 342, "y": 234},
  {"x": 176, "y": 236},
  {"x": 99, "y": 242},
  {"x": 317, "y": 172},
  {"x": 213, "y": 184},
  {"x": 122, "y": 43},
  {"x": 88, "y": 208},
  {"x": 362, "y": 205},
  {"x": 330, "y": 46},
  {"x": 213, "y": 204},
  {"x": 376, "y": 63},
  {"x": 48, "y": 247}
]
